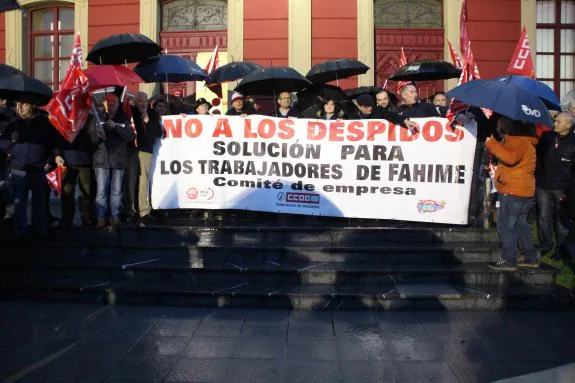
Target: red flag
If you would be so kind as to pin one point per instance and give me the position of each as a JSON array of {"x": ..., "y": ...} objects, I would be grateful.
[
  {"x": 55, "y": 178},
  {"x": 69, "y": 108},
  {"x": 214, "y": 62},
  {"x": 469, "y": 72},
  {"x": 464, "y": 34},
  {"x": 402, "y": 62},
  {"x": 456, "y": 57},
  {"x": 522, "y": 61}
]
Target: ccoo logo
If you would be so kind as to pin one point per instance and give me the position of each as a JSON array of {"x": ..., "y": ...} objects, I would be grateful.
[{"x": 530, "y": 112}]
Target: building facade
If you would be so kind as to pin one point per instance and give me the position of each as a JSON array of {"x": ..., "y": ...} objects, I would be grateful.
[{"x": 300, "y": 33}]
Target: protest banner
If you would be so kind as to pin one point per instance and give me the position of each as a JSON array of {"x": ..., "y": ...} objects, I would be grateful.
[{"x": 353, "y": 168}]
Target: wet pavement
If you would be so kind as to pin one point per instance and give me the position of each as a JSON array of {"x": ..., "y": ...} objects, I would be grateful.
[{"x": 42, "y": 342}]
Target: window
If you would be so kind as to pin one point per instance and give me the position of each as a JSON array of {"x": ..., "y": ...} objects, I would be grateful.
[
  {"x": 555, "y": 44},
  {"x": 51, "y": 32}
]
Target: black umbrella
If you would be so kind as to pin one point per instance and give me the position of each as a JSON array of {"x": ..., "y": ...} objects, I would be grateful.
[
  {"x": 333, "y": 70},
  {"x": 8, "y": 5},
  {"x": 272, "y": 81},
  {"x": 426, "y": 70},
  {"x": 170, "y": 68},
  {"x": 22, "y": 88},
  {"x": 7, "y": 71},
  {"x": 232, "y": 72},
  {"x": 123, "y": 48},
  {"x": 318, "y": 93},
  {"x": 356, "y": 92}
]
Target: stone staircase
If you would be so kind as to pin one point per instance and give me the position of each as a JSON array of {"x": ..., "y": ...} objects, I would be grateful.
[{"x": 257, "y": 263}]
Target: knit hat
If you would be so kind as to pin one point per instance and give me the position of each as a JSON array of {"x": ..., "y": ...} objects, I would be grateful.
[{"x": 237, "y": 95}]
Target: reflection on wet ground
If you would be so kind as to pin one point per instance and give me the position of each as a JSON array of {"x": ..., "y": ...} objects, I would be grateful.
[{"x": 42, "y": 342}]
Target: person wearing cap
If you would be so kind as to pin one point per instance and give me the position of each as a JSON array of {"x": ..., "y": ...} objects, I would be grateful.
[
  {"x": 285, "y": 109},
  {"x": 367, "y": 110},
  {"x": 238, "y": 106}
]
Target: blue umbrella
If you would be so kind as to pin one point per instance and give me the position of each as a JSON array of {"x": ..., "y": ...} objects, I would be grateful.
[
  {"x": 505, "y": 98},
  {"x": 170, "y": 68},
  {"x": 541, "y": 90}
]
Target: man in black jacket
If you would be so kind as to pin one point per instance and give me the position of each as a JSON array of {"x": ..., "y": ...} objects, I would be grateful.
[
  {"x": 149, "y": 131},
  {"x": 110, "y": 160},
  {"x": 30, "y": 141},
  {"x": 412, "y": 107},
  {"x": 78, "y": 159},
  {"x": 367, "y": 110},
  {"x": 285, "y": 109},
  {"x": 555, "y": 160}
]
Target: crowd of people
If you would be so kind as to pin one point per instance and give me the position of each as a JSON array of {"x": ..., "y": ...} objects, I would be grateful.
[{"x": 110, "y": 162}]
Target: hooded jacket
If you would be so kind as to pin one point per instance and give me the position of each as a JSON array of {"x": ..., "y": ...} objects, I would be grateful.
[{"x": 515, "y": 174}]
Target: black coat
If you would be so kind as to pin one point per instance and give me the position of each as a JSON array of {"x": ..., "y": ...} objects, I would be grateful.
[
  {"x": 291, "y": 113},
  {"x": 7, "y": 115},
  {"x": 380, "y": 113},
  {"x": 419, "y": 110},
  {"x": 147, "y": 132},
  {"x": 30, "y": 143},
  {"x": 555, "y": 160},
  {"x": 234, "y": 112},
  {"x": 79, "y": 152},
  {"x": 112, "y": 153}
]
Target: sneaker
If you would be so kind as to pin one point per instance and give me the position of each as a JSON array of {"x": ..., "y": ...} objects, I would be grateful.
[
  {"x": 502, "y": 266},
  {"x": 528, "y": 265},
  {"x": 101, "y": 222}
]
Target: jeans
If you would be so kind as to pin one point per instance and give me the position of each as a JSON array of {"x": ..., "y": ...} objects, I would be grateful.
[
  {"x": 131, "y": 182},
  {"x": 513, "y": 228},
  {"x": 144, "y": 206},
  {"x": 22, "y": 181},
  {"x": 83, "y": 176},
  {"x": 551, "y": 213},
  {"x": 109, "y": 190}
]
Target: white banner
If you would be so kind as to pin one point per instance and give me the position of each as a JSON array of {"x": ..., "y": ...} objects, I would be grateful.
[{"x": 354, "y": 168}]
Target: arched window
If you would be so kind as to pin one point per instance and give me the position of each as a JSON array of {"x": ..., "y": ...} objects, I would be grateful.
[
  {"x": 556, "y": 44},
  {"x": 51, "y": 34}
]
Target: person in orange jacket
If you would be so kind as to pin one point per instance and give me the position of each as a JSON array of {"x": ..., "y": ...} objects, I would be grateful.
[{"x": 515, "y": 183}]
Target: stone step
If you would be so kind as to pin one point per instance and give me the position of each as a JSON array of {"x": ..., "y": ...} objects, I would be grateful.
[
  {"x": 420, "y": 253},
  {"x": 303, "y": 297},
  {"x": 289, "y": 274},
  {"x": 267, "y": 236}
]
